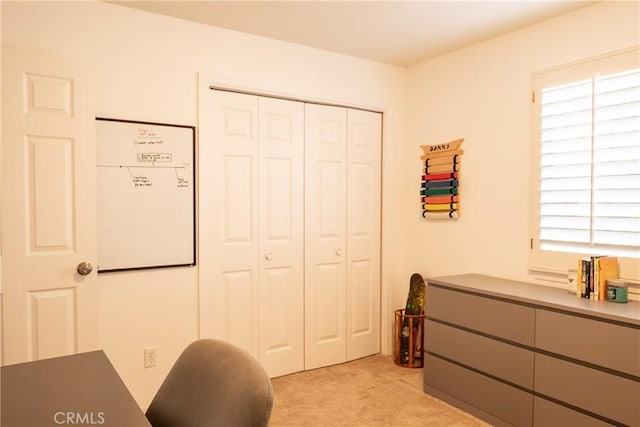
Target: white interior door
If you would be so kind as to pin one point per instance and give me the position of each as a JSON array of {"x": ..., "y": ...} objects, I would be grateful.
[
  {"x": 281, "y": 230},
  {"x": 49, "y": 207},
  {"x": 229, "y": 221},
  {"x": 325, "y": 223},
  {"x": 290, "y": 219},
  {"x": 364, "y": 141}
]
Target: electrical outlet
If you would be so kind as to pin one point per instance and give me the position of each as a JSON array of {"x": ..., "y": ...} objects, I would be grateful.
[{"x": 150, "y": 357}]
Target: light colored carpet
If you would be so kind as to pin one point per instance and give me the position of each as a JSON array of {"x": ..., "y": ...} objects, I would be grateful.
[{"x": 372, "y": 391}]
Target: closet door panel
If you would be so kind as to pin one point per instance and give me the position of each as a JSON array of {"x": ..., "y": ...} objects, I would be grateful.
[
  {"x": 361, "y": 318},
  {"x": 281, "y": 230},
  {"x": 230, "y": 269},
  {"x": 237, "y": 288},
  {"x": 325, "y": 231},
  {"x": 329, "y": 321},
  {"x": 363, "y": 233},
  {"x": 238, "y": 210}
]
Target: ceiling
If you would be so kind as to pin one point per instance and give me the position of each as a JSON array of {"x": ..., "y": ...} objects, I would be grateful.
[{"x": 398, "y": 32}]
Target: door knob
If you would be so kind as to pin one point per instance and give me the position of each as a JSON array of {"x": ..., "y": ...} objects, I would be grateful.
[
  {"x": 84, "y": 268},
  {"x": 339, "y": 251},
  {"x": 268, "y": 256}
]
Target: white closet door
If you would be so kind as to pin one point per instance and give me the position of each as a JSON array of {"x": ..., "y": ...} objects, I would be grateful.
[
  {"x": 230, "y": 259},
  {"x": 281, "y": 231},
  {"x": 363, "y": 233},
  {"x": 290, "y": 226},
  {"x": 325, "y": 223}
]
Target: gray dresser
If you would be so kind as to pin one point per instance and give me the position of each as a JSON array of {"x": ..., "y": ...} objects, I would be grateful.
[{"x": 514, "y": 353}]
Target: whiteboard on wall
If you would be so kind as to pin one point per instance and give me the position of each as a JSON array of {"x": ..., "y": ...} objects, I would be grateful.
[{"x": 145, "y": 194}]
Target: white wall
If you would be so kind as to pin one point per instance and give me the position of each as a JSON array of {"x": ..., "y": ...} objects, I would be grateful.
[
  {"x": 146, "y": 68},
  {"x": 483, "y": 94}
]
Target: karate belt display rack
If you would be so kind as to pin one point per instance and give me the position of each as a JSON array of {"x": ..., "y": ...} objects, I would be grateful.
[{"x": 440, "y": 179}]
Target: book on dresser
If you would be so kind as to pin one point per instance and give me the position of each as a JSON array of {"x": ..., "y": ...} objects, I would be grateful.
[
  {"x": 592, "y": 275},
  {"x": 608, "y": 269},
  {"x": 584, "y": 268}
]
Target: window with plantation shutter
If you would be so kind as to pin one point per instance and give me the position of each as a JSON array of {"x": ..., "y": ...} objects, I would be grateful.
[{"x": 586, "y": 163}]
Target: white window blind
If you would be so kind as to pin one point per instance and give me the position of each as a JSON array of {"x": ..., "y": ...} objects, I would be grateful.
[
  {"x": 590, "y": 166},
  {"x": 586, "y": 164}
]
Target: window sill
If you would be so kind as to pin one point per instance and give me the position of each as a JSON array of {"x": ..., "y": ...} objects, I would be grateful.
[{"x": 560, "y": 279}]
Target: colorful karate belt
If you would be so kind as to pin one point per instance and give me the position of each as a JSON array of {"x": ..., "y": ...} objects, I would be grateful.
[{"x": 439, "y": 188}]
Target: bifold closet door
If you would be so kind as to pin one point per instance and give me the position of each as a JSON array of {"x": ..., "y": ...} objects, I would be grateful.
[
  {"x": 281, "y": 231},
  {"x": 252, "y": 264},
  {"x": 364, "y": 145},
  {"x": 342, "y": 259},
  {"x": 229, "y": 263},
  {"x": 290, "y": 230},
  {"x": 326, "y": 230}
]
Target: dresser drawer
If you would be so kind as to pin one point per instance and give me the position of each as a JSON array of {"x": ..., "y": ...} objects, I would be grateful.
[
  {"x": 513, "y": 322},
  {"x": 505, "y": 361},
  {"x": 605, "y": 344},
  {"x": 611, "y": 396},
  {"x": 494, "y": 397},
  {"x": 549, "y": 414}
]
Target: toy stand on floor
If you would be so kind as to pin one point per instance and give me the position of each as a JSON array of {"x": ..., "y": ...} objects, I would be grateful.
[{"x": 416, "y": 340}]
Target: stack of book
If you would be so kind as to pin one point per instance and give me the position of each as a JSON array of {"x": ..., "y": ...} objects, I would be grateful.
[
  {"x": 439, "y": 189},
  {"x": 593, "y": 273}
]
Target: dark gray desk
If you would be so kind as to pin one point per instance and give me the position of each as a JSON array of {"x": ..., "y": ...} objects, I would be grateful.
[{"x": 81, "y": 389}]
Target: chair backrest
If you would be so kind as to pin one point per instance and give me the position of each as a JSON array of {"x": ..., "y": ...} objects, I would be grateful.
[{"x": 213, "y": 383}]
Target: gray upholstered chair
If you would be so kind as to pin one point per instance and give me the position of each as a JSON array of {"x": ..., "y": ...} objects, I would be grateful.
[{"x": 213, "y": 383}]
